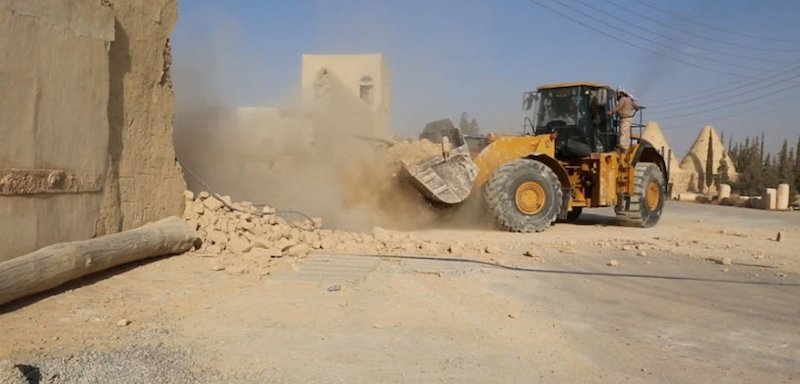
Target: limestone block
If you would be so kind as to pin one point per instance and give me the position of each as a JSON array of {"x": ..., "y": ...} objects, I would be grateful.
[
  {"x": 724, "y": 191},
  {"x": 782, "y": 197},
  {"x": 688, "y": 196},
  {"x": 769, "y": 199}
]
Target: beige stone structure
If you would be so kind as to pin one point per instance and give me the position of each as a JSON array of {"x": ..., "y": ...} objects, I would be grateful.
[
  {"x": 769, "y": 199},
  {"x": 782, "y": 197},
  {"x": 87, "y": 120},
  {"x": 678, "y": 178},
  {"x": 362, "y": 78},
  {"x": 694, "y": 163}
]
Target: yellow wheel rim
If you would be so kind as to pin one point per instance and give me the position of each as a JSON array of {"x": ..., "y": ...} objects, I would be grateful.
[
  {"x": 653, "y": 195},
  {"x": 530, "y": 198}
]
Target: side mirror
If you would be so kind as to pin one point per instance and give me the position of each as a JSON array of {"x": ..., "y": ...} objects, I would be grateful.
[
  {"x": 528, "y": 98},
  {"x": 602, "y": 96}
]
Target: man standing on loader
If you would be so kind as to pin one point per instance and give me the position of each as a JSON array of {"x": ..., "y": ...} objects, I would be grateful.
[{"x": 626, "y": 108}]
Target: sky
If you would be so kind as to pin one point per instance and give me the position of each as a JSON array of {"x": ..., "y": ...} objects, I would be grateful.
[{"x": 733, "y": 64}]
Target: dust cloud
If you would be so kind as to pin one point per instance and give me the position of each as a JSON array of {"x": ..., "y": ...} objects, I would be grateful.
[{"x": 323, "y": 156}]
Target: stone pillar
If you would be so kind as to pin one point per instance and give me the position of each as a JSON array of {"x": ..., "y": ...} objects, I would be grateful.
[
  {"x": 724, "y": 191},
  {"x": 782, "y": 198},
  {"x": 769, "y": 199}
]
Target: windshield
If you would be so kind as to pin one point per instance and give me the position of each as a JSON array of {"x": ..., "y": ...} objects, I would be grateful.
[{"x": 558, "y": 107}]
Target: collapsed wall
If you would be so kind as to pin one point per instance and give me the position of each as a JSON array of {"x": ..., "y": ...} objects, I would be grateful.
[{"x": 86, "y": 127}]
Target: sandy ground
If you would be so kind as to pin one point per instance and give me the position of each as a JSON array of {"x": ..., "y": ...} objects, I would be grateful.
[{"x": 708, "y": 295}]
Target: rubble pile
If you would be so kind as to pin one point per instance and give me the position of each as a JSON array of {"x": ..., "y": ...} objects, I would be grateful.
[{"x": 231, "y": 227}]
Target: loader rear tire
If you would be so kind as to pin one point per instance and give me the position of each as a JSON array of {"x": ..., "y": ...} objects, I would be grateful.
[
  {"x": 647, "y": 201},
  {"x": 523, "y": 196}
]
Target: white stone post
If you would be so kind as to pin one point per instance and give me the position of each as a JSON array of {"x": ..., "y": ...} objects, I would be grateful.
[
  {"x": 724, "y": 191},
  {"x": 782, "y": 198},
  {"x": 769, "y": 199}
]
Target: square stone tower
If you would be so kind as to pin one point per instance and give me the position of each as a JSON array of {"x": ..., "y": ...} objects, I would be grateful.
[{"x": 363, "y": 77}]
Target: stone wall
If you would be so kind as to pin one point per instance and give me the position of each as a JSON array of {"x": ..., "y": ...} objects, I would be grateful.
[
  {"x": 87, "y": 120},
  {"x": 144, "y": 181}
]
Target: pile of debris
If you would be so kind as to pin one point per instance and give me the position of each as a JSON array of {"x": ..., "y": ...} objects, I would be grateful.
[{"x": 231, "y": 227}]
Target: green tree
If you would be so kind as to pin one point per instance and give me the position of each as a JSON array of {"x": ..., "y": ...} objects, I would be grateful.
[
  {"x": 785, "y": 167},
  {"x": 722, "y": 171},
  {"x": 709, "y": 179}
]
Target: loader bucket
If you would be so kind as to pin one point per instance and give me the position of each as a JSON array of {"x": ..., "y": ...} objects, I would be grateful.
[{"x": 446, "y": 178}]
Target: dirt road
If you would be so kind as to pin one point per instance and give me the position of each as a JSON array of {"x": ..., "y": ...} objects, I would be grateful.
[{"x": 707, "y": 296}]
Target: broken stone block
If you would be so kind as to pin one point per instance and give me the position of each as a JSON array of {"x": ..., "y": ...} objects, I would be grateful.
[
  {"x": 188, "y": 195},
  {"x": 211, "y": 203},
  {"x": 239, "y": 245},
  {"x": 298, "y": 250},
  {"x": 381, "y": 234}
]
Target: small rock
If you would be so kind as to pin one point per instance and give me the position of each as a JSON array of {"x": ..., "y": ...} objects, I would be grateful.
[
  {"x": 197, "y": 207},
  {"x": 123, "y": 322},
  {"x": 627, "y": 247},
  {"x": 568, "y": 250},
  {"x": 217, "y": 267},
  {"x": 239, "y": 245},
  {"x": 299, "y": 250},
  {"x": 203, "y": 195},
  {"x": 381, "y": 234},
  {"x": 456, "y": 248},
  {"x": 779, "y": 236},
  {"x": 212, "y": 204},
  {"x": 613, "y": 263},
  {"x": 533, "y": 252},
  {"x": 491, "y": 249},
  {"x": 218, "y": 237},
  {"x": 726, "y": 261},
  {"x": 188, "y": 195},
  {"x": 512, "y": 316},
  {"x": 334, "y": 288},
  {"x": 641, "y": 253}
]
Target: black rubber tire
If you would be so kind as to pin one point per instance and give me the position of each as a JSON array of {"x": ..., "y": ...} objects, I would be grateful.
[
  {"x": 500, "y": 191},
  {"x": 638, "y": 212},
  {"x": 574, "y": 214}
]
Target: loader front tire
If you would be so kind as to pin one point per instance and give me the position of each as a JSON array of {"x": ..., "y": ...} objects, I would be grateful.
[
  {"x": 523, "y": 196},
  {"x": 647, "y": 201}
]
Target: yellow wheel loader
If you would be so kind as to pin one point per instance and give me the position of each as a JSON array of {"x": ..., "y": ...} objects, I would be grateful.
[{"x": 567, "y": 159}]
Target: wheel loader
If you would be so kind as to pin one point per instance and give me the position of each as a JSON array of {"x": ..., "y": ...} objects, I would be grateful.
[{"x": 566, "y": 159}]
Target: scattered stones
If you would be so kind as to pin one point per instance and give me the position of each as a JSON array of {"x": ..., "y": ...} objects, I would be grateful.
[
  {"x": 123, "y": 323},
  {"x": 613, "y": 263}
]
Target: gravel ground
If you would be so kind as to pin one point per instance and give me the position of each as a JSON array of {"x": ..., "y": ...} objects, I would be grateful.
[{"x": 129, "y": 365}]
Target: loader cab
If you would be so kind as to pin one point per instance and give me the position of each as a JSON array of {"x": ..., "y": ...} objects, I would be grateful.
[{"x": 576, "y": 114}]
